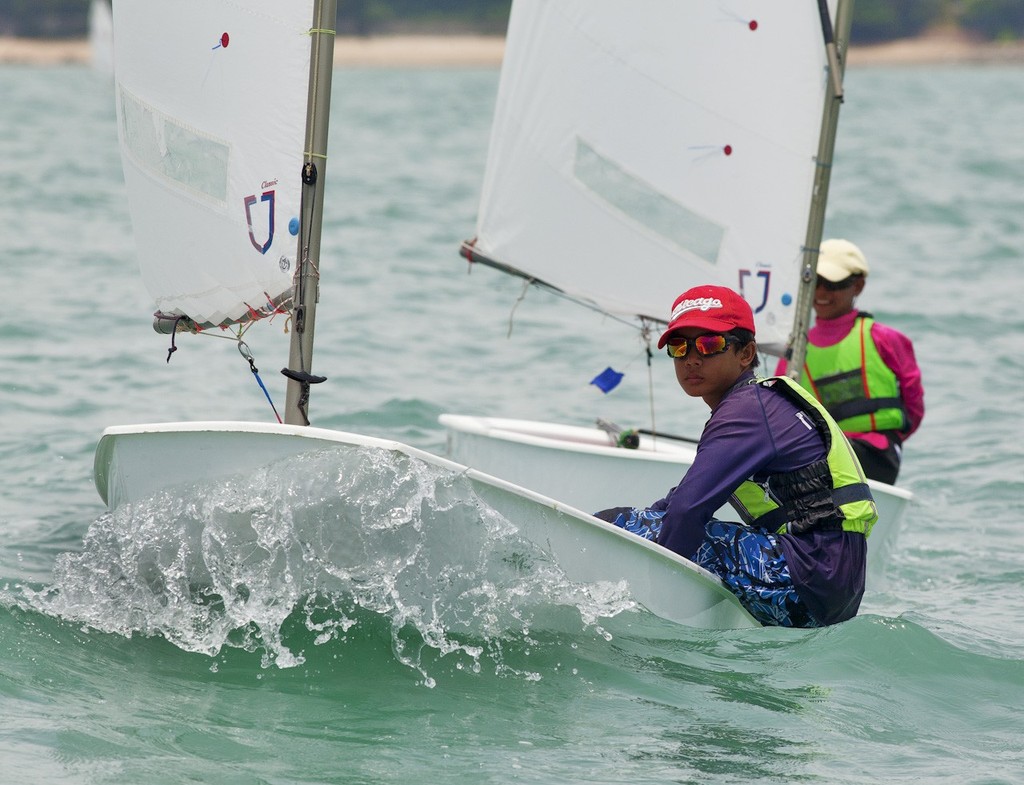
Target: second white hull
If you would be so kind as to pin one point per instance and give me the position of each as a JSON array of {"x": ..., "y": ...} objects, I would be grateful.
[{"x": 582, "y": 467}]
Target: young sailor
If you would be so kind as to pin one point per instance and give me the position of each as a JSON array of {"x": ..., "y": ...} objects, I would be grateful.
[
  {"x": 863, "y": 371},
  {"x": 798, "y": 558}
]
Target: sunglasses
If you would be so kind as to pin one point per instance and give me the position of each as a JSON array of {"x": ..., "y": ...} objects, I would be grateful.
[
  {"x": 837, "y": 286},
  {"x": 706, "y": 345}
]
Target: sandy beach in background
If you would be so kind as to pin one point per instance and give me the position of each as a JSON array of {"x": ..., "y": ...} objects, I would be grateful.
[
  {"x": 476, "y": 51},
  {"x": 383, "y": 52}
]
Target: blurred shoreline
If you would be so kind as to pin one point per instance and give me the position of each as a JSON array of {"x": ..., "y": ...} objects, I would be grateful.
[
  {"x": 412, "y": 51},
  {"x": 372, "y": 52},
  {"x": 463, "y": 50}
]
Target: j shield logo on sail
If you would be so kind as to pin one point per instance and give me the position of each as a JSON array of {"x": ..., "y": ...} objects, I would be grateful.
[{"x": 268, "y": 198}]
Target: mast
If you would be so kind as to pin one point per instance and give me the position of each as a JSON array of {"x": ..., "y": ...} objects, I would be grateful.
[
  {"x": 835, "y": 47},
  {"x": 314, "y": 168}
]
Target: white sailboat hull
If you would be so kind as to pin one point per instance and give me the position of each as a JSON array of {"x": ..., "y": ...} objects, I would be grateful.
[
  {"x": 582, "y": 467},
  {"x": 134, "y": 462}
]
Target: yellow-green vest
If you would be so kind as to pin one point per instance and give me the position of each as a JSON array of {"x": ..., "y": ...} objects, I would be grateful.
[
  {"x": 830, "y": 494},
  {"x": 857, "y": 388}
]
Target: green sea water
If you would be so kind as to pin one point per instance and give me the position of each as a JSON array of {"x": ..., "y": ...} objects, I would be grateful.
[{"x": 455, "y": 668}]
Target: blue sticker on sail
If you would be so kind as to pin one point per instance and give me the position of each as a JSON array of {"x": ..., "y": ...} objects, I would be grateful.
[{"x": 268, "y": 197}]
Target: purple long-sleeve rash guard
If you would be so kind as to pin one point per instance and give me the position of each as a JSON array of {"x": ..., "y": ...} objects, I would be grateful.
[{"x": 753, "y": 432}]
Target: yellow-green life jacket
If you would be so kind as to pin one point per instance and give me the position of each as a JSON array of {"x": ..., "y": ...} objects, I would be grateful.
[
  {"x": 857, "y": 388},
  {"x": 829, "y": 494}
]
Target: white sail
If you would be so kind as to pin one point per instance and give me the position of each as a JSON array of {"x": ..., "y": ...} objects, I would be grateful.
[
  {"x": 101, "y": 37},
  {"x": 211, "y": 108},
  {"x": 640, "y": 148}
]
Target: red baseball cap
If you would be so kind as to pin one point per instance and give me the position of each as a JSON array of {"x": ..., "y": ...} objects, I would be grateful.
[{"x": 716, "y": 308}]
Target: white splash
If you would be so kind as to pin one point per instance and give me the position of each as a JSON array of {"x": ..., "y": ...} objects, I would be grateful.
[{"x": 323, "y": 538}]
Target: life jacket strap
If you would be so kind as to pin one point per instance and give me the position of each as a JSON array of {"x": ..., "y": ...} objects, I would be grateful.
[
  {"x": 849, "y": 409},
  {"x": 855, "y": 492}
]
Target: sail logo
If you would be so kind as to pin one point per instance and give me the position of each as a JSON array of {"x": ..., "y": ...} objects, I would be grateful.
[
  {"x": 760, "y": 279},
  {"x": 267, "y": 197}
]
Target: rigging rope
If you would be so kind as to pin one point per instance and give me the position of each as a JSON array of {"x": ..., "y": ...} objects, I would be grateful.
[
  {"x": 174, "y": 329},
  {"x": 243, "y": 349},
  {"x": 645, "y": 335},
  {"x": 519, "y": 299}
]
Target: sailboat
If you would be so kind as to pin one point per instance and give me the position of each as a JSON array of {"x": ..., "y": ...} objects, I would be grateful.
[
  {"x": 226, "y": 203},
  {"x": 639, "y": 150}
]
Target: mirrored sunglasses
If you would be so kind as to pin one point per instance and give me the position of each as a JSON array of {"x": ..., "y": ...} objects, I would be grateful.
[{"x": 706, "y": 345}]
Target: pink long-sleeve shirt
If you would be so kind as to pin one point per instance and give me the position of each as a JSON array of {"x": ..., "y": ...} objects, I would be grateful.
[{"x": 896, "y": 351}]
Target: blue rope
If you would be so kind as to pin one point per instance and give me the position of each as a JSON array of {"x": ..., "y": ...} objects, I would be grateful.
[{"x": 243, "y": 349}]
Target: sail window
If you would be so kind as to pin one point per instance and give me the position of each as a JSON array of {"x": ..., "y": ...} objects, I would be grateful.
[
  {"x": 170, "y": 150},
  {"x": 646, "y": 205}
]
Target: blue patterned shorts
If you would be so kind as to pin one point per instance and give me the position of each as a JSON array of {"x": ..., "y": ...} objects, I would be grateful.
[
  {"x": 748, "y": 561},
  {"x": 643, "y": 523}
]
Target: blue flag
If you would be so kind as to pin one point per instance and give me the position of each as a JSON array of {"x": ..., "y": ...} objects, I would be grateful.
[{"x": 607, "y": 380}]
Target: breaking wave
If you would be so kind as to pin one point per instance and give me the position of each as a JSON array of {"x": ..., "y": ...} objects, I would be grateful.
[{"x": 320, "y": 542}]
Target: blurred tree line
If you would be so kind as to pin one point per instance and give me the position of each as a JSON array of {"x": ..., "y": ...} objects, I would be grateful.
[
  {"x": 874, "y": 20},
  {"x": 883, "y": 20}
]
